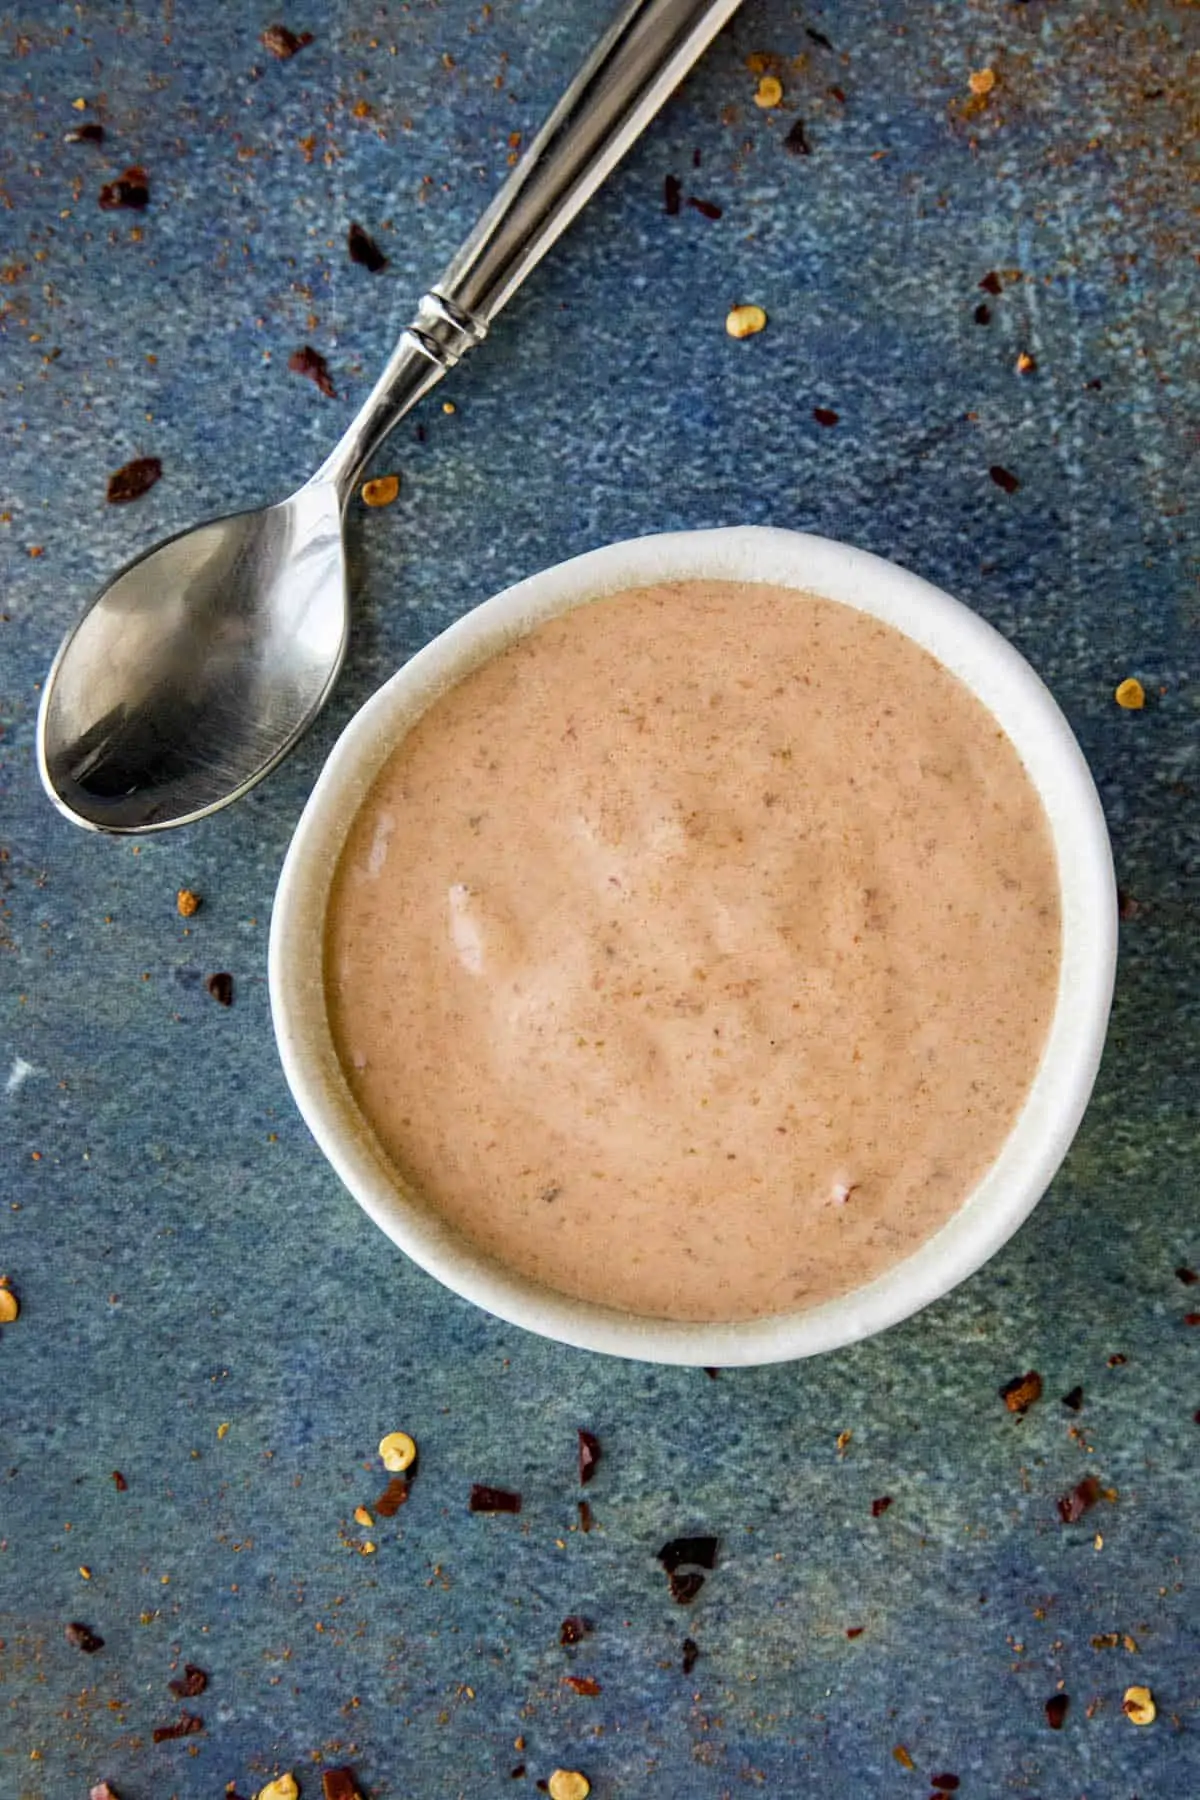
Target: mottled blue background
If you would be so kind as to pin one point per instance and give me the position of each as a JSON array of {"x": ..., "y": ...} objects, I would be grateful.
[{"x": 183, "y": 1255}]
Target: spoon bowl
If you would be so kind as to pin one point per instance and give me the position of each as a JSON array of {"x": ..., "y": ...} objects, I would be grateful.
[{"x": 197, "y": 668}]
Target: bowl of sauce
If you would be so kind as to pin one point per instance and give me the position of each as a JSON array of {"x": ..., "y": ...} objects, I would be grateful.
[{"x": 702, "y": 951}]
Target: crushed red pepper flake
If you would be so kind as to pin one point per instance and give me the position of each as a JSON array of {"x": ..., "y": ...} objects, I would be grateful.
[
  {"x": 589, "y": 1456},
  {"x": 796, "y": 142},
  {"x": 1127, "y": 906},
  {"x": 363, "y": 250},
  {"x": 312, "y": 365},
  {"x": 672, "y": 195},
  {"x": 696, "y": 1552},
  {"x": 691, "y": 1653},
  {"x": 119, "y": 1482},
  {"x": 574, "y": 1629},
  {"x": 983, "y": 313},
  {"x": 1118, "y": 1361},
  {"x": 193, "y": 1681},
  {"x": 133, "y": 479},
  {"x": 1020, "y": 1393},
  {"x": 1004, "y": 478},
  {"x": 713, "y": 1374},
  {"x": 393, "y": 1497},
  {"x": 684, "y": 1587},
  {"x": 880, "y": 1506},
  {"x": 1191, "y": 1318},
  {"x": 825, "y": 415},
  {"x": 493, "y": 1499},
  {"x": 949, "y": 1784},
  {"x": 131, "y": 188},
  {"x": 708, "y": 209},
  {"x": 83, "y": 1638},
  {"x": 220, "y": 986},
  {"x": 586, "y": 1520},
  {"x": 1056, "y": 1710},
  {"x": 582, "y": 1684},
  {"x": 1074, "y": 1400},
  {"x": 855, "y": 1631},
  {"x": 187, "y": 1725},
  {"x": 991, "y": 283},
  {"x": 1081, "y": 1499},
  {"x": 284, "y": 43},
  {"x": 1188, "y": 1276},
  {"x": 91, "y": 133},
  {"x": 339, "y": 1784}
]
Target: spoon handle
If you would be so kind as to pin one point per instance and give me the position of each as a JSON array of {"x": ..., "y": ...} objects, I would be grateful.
[{"x": 637, "y": 64}]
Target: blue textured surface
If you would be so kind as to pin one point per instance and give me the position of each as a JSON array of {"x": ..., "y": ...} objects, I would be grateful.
[{"x": 184, "y": 1258}]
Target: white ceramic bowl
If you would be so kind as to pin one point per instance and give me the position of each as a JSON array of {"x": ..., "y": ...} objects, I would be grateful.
[{"x": 1047, "y": 1122}]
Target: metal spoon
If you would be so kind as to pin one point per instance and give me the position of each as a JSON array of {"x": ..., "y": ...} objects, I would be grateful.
[{"x": 200, "y": 665}]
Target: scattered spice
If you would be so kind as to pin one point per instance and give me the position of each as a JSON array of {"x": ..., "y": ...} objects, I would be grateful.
[
  {"x": 880, "y": 1506},
  {"x": 745, "y": 321},
  {"x": 855, "y": 1631},
  {"x": 589, "y": 1456},
  {"x": 1004, "y": 478},
  {"x": 132, "y": 480},
  {"x": 119, "y": 1482},
  {"x": 708, "y": 209},
  {"x": 713, "y": 1374},
  {"x": 1127, "y": 906},
  {"x": 1074, "y": 1400},
  {"x": 585, "y": 1515},
  {"x": 381, "y": 491},
  {"x": 698, "y": 1552},
  {"x": 1188, "y": 1276},
  {"x": 187, "y": 1725},
  {"x": 1026, "y": 364},
  {"x": 983, "y": 313},
  {"x": 949, "y": 1784},
  {"x": 493, "y": 1500},
  {"x": 362, "y": 1517},
  {"x": 825, "y": 415},
  {"x": 83, "y": 1638},
  {"x": 1081, "y": 1499},
  {"x": 310, "y": 363},
  {"x": 283, "y": 43},
  {"x": 10, "y": 1306},
  {"x": 193, "y": 1681},
  {"x": 187, "y": 903},
  {"x": 131, "y": 188},
  {"x": 769, "y": 92},
  {"x": 397, "y": 1452},
  {"x": 991, "y": 283},
  {"x": 796, "y": 141},
  {"x": 582, "y": 1684},
  {"x": 1191, "y": 1318},
  {"x": 1138, "y": 1706},
  {"x": 691, "y": 1652},
  {"x": 393, "y": 1497},
  {"x": 220, "y": 986},
  {"x": 1056, "y": 1710},
  {"x": 903, "y": 1758},
  {"x": 981, "y": 81},
  {"x": 1130, "y": 694},
  {"x": 574, "y": 1629},
  {"x": 1020, "y": 1393},
  {"x": 363, "y": 250},
  {"x": 1118, "y": 1361},
  {"x": 671, "y": 195},
  {"x": 339, "y": 1784},
  {"x": 684, "y": 1588},
  {"x": 91, "y": 133}
]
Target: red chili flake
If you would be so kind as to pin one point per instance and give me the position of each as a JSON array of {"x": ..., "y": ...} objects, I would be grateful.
[
  {"x": 188, "y": 1725},
  {"x": 838, "y": 94},
  {"x": 1196, "y": 1418},
  {"x": 493, "y": 1499},
  {"x": 1188, "y": 1277},
  {"x": 90, "y": 133},
  {"x": 284, "y": 43},
  {"x": 574, "y": 1629},
  {"x": 131, "y": 188},
  {"x": 1118, "y": 1361},
  {"x": 796, "y": 140},
  {"x": 684, "y": 1588},
  {"x": 825, "y": 415},
  {"x": 1081, "y": 1499},
  {"x": 517, "y": 1773},
  {"x": 854, "y": 1631},
  {"x": 589, "y": 1456},
  {"x": 880, "y": 1506},
  {"x": 393, "y": 1497},
  {"x": 1074, "y": 1400},
  {"x": 713, "y": 1374},
  {"x": 220, "y": 986},
  {"x": 1191, "y": 1318},
  {"x": 708, "y": 209},
  {"x": 691, "y": 1652},
  {"x": 582, "y": 1684},
  {"x": 1056, "y": 1710},
  {"x": 983, "y": 313},
  {"x": 991, "y": 283},
  {"x": 310, "y": 363},
  {"x": 193, "y": 1681},
  {"x": 362, "y": 249},
  {"x": 339, "y": 1784},
  {"x": 133, "y": 479},
  {"x": 1127, "y": 907},
  {"x": 119, "y": 1481},
  {"x": 696, "y": 1552},
  {"x": 671, "y": 195},
  {"x": 1020, "y": 1393},
  {"x": 949, "y": 1784},
  {"x": 1004, "y": 478},
  {"x": 83, "y": 1638},
  {"x": 585, "y": 1515}
]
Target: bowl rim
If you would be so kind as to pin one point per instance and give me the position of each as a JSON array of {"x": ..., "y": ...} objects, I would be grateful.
[{"x": 996, "y": 673}]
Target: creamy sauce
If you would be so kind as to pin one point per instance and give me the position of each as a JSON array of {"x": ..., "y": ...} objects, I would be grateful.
[{"x": 695, "y": 955}]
